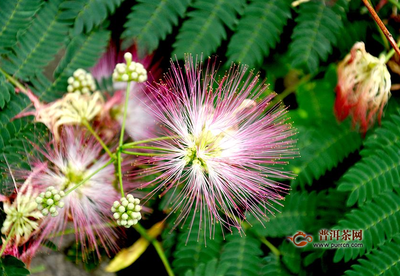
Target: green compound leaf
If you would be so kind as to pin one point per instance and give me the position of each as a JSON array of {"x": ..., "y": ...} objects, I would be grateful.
[
  {"x": 314, "y": 35},
  {"x": 291, "y": 257},
  {"x": 382, "y": 261},
  {"x": 243, "y": 254},
  {"x": 273, "y": 266},
  {"x": 16, "y": 149},
  {"x": 82, "y": 52},
  {"x": 379, "y": 169},
  {"x": 88, "y": 14},
  {"x": 15, "y": 17},
  {"x": 6, "y": 91},
  {"x": 211, "y": 268},
  {"x": 379, "y": 221},
  {"x": 298, "y": 212},
  {"x": 11, "y": 266},
  {"x": 39, "y": 44},
  {"x": 204, "y": 29},
  {"x": 151, "y": 21},
  {"x": 322, "y": 147},
  {"x": 258, "y": 31},
  {"x": 195, "y": 247}
]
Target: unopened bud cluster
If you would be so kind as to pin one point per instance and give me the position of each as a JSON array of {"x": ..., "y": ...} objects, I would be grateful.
[
  {"x": 131, "y": 71},
  {"x": 127, "y": 211},
  {"x": 81, "y": 82},
  {"x": 49, "y": 201}
]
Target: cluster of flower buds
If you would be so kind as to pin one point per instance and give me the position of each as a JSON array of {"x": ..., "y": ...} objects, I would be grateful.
[
  {"x": 49, "y": 201},
  {"x": 81, "y": 82},
  {"x": 131, "y": 71},
  {"x": 127, "y": 213}
]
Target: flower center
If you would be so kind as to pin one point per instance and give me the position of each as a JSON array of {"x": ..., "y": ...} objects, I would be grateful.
[
  {"x": 201, "y": 148},
  {"x": 73, "y": 177}
]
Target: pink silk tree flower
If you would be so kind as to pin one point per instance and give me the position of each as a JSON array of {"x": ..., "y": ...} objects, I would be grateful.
[
  {"x": 139, "y": 123},
  {"x": 225, "y": 152},
  {"x": 23, "y": 222},
  {"x": 363, "y": 88},
  {"x": 74, "y": 159}
]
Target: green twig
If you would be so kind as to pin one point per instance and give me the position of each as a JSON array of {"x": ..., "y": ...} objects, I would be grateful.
[
  {"x": 271, "y": 247},
  {"x": 141, "y": 153},
  {"x": 129, "y": 145},
  {"x": 121, "y": 139},
  {"x": 14, "y": 81},
  {"x": 89, "y": 127},
  {"x": 157, "y": 246},
  {"x": 87, "y": 178},
  {"x": 289, "y": 90},
  {"x": 119, "y": 167},
  {"x": 73, "y": 230}
]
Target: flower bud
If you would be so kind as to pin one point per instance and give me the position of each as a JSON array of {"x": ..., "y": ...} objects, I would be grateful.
[
  {"x": 49, "y": 201},
  {"x": 131, "y": 71},
  {"x": 127, "y": 211},
  {"x": 82, "y": 82}
]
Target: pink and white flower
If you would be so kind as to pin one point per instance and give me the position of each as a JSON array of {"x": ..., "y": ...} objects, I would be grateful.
[
  {"x": 69, "y": 162},
  {"x": 226, "y": 152}
]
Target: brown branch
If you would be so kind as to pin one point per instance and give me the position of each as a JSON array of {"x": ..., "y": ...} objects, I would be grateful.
[{"x": 382, "y": 26}]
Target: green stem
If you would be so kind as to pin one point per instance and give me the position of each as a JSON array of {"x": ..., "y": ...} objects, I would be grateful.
[
  {"x": 14, "y": 81},
  {"x": 289, "y": 90},
  {"x": 87, "y": 178},
  {"x": 73, "y": 231},
  {"x": 389, "y": 55},
  {"x": 157, "y": 246},
  {"x": 129, "y": 145},
  {"x": 89, "y": 127},
  {"x": 140, "y": 153},
  {"x": 271, "y": 247},
  {"x": 146, "y": 147},
  {"x": 397, "y": 4},
  {"x": 4, "y": 245},
  {"x": 119, "y": 165},
  {"x": 121, "y": 138}
]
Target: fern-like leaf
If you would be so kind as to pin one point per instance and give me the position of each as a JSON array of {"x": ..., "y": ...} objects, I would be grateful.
[
  {"x": 6, "y": 90},
  {"x": 38, "y": 46},
  {"x": 382, "y": 261},
  {"x": 258, "y": 31},
  {"x": 242, "y": 253},
  {"x": 16, "y": 104},
  {"x": 15, "y": 17},
  {"x": 151, "y": 21},
  {"x": 298, "y": 212},
  {"x": 379, "y": 221},
  {"x": 16, "y": 138},
  {"x": 193, "y": 248},
  {"x": 88, "y": 14},
  {"x": 315, "y": 33},
  {"x": 291, "y": 257},
  {"x": 322, "y": 147},
  {"x": 323, "y": 142},
  {"x": 82, "y": 52},
  {"x": 211, "y": 268},
  {"x": 379, "y": 169},
  {"x": 273, "y": 266},
  {"x": 204, "y": 29}
]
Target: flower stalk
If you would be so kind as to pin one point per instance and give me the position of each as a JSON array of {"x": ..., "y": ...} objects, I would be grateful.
[
  {"x": 382, "y": 26},
  {"x": 89, "y": 177},
  {"x": 157, "y": 246}
]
